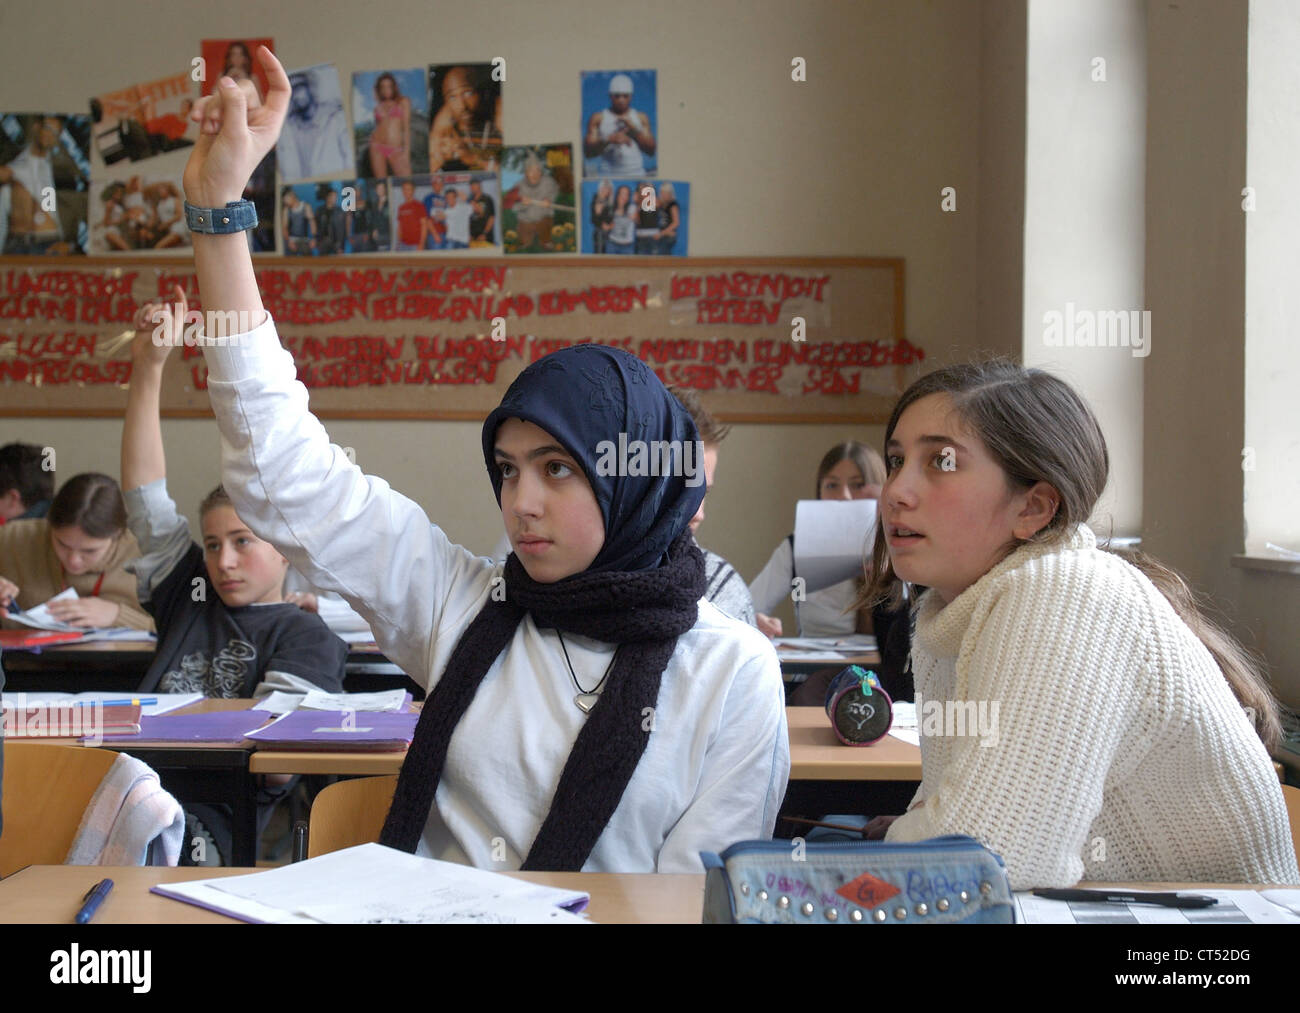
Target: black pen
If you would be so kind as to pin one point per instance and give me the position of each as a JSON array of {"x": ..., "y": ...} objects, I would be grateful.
[
  {"x": 1190, "y": 900},
  {"x": 94, "y": 897}
]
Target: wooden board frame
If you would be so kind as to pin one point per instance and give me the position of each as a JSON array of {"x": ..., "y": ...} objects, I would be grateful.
[{"x": 885, "y": 317}]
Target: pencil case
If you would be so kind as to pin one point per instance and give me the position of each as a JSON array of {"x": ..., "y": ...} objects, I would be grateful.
[
  {"x": 946, "y": 880},
  {"x": 858, "y": 706}
]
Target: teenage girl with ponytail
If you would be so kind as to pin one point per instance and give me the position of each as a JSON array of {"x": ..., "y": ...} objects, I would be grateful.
[{"x": 1123, "y": 736}]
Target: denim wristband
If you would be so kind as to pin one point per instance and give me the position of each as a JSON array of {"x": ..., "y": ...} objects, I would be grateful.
[{"x": 237, "y": 216}]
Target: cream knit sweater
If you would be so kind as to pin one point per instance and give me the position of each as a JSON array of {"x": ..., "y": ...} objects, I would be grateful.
[{"x": 1115, "y": 749}]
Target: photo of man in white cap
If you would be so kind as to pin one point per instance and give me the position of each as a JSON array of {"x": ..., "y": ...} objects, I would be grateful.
[{"x": 619, "y": 137}]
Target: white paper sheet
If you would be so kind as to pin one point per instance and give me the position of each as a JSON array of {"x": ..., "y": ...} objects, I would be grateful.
[
  {"x": 827, "y": 650},
  {"x": 904, "y": 724},
  {"x": 831, "y": 540},
  {"x": 166, "y": 701},
  {"x": 372, "y": 883},
  {"x": 39, "y": 618},
  {"x": 1235, "y": 907},
  {"x": 279, "y": 702}
]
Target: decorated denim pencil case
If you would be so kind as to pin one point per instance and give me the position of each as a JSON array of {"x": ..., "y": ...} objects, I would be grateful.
[{"x": 945, "y": 880}]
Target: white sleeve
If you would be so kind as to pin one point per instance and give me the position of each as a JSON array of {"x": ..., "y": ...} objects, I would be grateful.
[
  {"x": 746, "y": 768},
  {"x": 283, "y": 682},
  {"x": 343, "y": 530},
  {"x": 162, "y": 533},
  {"x": 773, "y": 585},
  {"x": 1029, "y": 783}
]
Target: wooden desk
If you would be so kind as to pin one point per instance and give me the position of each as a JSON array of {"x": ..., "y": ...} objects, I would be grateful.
[
  {"x": 52, "y": 894},
  {"x": 815, "y": 755}
]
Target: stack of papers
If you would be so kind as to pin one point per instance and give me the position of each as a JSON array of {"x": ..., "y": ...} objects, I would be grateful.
[
  {"x": 393, "y": 700},
  {"x": 348, "y": 731},
  {"x": 828, "y": 650},
  {"x": 372, "y": 884},
  {"x": 1234, "y": 907}
]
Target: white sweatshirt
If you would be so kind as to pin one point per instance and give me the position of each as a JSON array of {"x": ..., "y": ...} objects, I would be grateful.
[
  {"x": 1114, "y": 748},
  {"x": 715, "y": 769}
]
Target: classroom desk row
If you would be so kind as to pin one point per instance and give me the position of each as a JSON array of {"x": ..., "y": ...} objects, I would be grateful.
[
  {"x": 118, "y": 666},
  {"x": 825, "y": 777},
  {"x": 51, "y": 894}
]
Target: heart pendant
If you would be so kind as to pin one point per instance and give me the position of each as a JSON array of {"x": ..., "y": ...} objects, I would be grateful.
[{"x": 586, "y": 701}]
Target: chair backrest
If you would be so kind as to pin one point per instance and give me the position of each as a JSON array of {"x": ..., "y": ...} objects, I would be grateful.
[
  {"x": 47, "y": 789},
  {"x": 1292, "y": 796},
  {"x": 349, "y": 813}
]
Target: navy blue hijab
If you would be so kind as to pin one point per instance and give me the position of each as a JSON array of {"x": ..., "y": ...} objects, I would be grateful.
[
  {"x": 641, "y": 592},
  {"x": 587, "y": 397}
]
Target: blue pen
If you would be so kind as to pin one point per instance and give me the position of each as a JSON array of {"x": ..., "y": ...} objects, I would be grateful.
[
  {"x": 94, "y": 897},
  {"x": 143, "y": 701},
  {"x": 13, "y": 607}
]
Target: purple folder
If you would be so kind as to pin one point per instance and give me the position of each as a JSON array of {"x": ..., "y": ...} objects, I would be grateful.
[
  {"x": 331, "y": 731},
  {"x": 214, "y": 726}
]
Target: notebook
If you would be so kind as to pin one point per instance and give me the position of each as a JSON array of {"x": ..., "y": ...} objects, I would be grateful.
[
  {"x": 24, "y": 720},
  {"x": 331, "y": 731},
  {"x": 370, "y": 884}
]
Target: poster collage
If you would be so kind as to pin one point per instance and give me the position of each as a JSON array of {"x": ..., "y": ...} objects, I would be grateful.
[{"x": 422, "y": 167}]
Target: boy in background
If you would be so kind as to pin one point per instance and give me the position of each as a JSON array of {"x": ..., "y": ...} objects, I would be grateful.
[
  {"x": 224, "y": 629},
  {"x": 726, "y": 588}
]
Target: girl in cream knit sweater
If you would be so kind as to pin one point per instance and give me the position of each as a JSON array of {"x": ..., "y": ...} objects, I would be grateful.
[{"x": 1071, "y": 720}]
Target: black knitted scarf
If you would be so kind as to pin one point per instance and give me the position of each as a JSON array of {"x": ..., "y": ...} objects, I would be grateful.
[{"x": 644, "y": 612}]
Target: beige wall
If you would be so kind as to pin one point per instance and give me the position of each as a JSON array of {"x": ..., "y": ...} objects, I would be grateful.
[
  {"x": 849, "y": 162},
  {"x": 1195, "y": 278}
]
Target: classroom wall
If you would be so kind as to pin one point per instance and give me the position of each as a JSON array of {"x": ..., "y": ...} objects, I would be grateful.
[
  {"x": 1195, "y": 282},
  {"x": 848, "y": 163},
  {"x": 1085, "y": 144}
]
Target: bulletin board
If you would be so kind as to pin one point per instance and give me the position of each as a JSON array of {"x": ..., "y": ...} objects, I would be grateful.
[{"x": 762, "y": 339}]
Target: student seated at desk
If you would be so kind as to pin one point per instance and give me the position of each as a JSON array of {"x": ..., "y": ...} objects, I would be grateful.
[
  {"x": 586, "y": 710},
  {"x": 849, "y": 470},
  {"x": 83, "y": 544},
  {"x": 224, "y": 629},
  {"x": 1109, "y": 741},
  {"x": 725, "y": 587}
]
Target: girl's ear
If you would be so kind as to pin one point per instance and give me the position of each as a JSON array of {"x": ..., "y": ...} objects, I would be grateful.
[{"x": 1041, "y": 502}]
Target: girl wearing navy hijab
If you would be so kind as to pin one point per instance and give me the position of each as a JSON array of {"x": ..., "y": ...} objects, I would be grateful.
[{"x": 586, "y": 710}]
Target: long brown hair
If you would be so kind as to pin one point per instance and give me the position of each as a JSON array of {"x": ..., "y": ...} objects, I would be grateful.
[
  {"x": 868, "y": 462},
  {"x": 92, "y": 502},
  {"x": 1039, "y": 429}
]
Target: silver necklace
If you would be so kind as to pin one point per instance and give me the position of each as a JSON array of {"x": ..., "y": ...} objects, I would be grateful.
[{"x": 584, "y": 699}]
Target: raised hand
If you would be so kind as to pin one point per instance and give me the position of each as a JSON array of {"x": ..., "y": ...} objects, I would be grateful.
[
  {"x": 237, "y": 131},
  {"x": 157, "y": 326}
]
